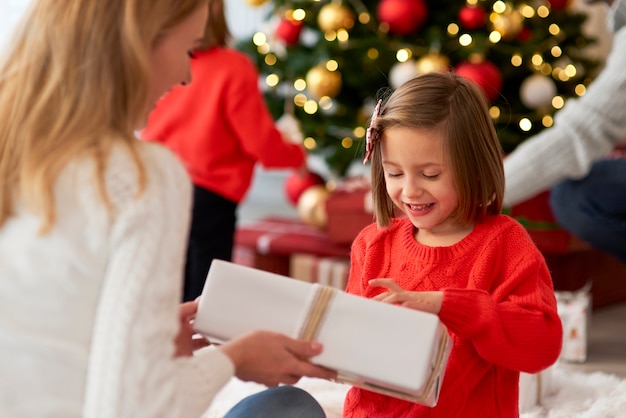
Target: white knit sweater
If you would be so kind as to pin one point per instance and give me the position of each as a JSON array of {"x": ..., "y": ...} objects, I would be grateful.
[
  {"x": 585, "y": 130},
  {"x": 88, "y": 312}
]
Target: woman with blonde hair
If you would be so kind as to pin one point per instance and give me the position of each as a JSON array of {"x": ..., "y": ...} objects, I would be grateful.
[{"x": 93, "y": 224}]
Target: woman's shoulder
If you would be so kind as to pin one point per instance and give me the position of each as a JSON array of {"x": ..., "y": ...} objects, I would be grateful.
[
  {"x": 155, "y": 157},
  {"x": 144, "y": 168}
]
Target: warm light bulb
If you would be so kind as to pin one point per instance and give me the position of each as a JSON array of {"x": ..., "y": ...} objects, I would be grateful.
[
  {"x": 359, "y": 132},
  {"x": 259, "y": 38},
  {"x": 310, "y": 107},
  {"x": 525, "y": 124},
  {"x": 547, "y": 121},
  {"x": 558, "y": 102},
  {"x": 299, "y": 84},
  {"x": 465, "y": 39},
  {"x": 299, "y": 14},
  {"x": 495, "y": 37},
  {"x": 272, "y": 80},
  {"x": 310, "y": 143},
  {"x": 527, "y": 11},
  {"x": 403, "y": 55},
  {"x": 543, "y": 11}
]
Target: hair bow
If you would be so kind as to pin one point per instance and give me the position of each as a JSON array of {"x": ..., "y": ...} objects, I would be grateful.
[{"x": 371, "y": 135}]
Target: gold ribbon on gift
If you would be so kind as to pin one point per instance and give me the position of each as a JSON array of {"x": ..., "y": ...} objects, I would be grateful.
[
  {"x": 314, "y": 321},
  {"x": 315, "y": 317}
]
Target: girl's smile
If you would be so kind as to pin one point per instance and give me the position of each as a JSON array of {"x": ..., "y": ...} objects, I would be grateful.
[{"x": 420, "y": 182}]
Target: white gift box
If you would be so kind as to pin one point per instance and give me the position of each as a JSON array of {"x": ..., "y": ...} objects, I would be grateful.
[
  {"x": 534, "y": 388},
  {"x": 377, "y": 346},
  {"x": 575, "y": 312}
]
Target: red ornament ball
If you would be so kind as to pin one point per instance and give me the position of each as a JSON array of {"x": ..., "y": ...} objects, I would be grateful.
[
  {"x": 472, "y": 17},
  {"x": 296, "y": 183},
  {"x": 403, "y": 16},
  {"x": 485, "y": 74},
  {"x": 558, "y": 4},
  {"x": 289, "y": 31}
]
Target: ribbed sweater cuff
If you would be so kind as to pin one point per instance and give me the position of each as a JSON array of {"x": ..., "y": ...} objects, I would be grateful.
[
  {"x": 461, "y": 310},
  {"x": 203, "y": 377}
]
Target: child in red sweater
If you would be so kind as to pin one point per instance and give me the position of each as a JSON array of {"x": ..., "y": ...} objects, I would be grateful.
[
  {"x": 435, "y": 156},
  {"x": 220, "y": 128}
]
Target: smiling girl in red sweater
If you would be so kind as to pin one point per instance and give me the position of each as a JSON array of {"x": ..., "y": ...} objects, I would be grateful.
[{"x": 435, "y": 156}]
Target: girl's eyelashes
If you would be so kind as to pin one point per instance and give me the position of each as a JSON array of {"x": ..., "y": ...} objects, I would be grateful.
[
  {"x": 426, "y": 176},
  {"x": 389, "y": 174}
]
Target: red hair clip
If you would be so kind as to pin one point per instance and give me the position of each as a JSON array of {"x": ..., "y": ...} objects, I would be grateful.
[{"x": 371, "y": 135}]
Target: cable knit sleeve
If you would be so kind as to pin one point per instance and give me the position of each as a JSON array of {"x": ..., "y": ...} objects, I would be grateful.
[
  {"x": 131, "y": 371},
  {"x": 585, "y": 130},
  {"x": 508, "y": 310}
]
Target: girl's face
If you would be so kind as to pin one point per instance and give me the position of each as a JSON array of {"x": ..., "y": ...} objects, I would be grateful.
[
  {"x": 420, "y": 182},
  {"x": 172, "y": 51}
]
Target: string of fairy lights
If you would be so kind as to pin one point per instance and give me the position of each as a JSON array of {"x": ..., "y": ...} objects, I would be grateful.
[{"x": 503, "y": 21}]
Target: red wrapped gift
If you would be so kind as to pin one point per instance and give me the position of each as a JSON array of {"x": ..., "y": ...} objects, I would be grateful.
[
  {"x": 267, "y": 244},
  {"x": 348, "y": 212}
]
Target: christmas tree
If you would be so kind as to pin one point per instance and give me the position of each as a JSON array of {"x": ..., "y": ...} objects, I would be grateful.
[{"x": 324, "y": 62}]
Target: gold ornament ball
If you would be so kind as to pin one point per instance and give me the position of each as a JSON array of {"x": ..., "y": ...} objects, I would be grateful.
[
  {"x": 509, "y": 24},
  {"x": 256, "y": 3},
  {"x": 334, "y": 16},
  {"x": 432, "y": 62},
  {"x": 312, "y": 206},
  {"x": 322, "y": 82}
]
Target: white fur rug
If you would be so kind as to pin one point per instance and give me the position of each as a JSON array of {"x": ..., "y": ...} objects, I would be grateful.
[{"x": 573, "y": 395}]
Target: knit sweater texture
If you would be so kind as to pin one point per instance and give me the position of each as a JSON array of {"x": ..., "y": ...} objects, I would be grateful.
[
  {"x": 219, "y": 125},
  {"x": 89, "y": 311},
  {"x": 584, "y": 131},
  {"x": 498, "y": 306}
]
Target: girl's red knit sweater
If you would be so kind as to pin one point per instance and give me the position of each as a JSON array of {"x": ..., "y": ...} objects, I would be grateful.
[{"x": 498, "y": 305}]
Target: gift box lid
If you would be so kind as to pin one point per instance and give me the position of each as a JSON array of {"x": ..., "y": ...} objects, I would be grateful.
[{"x": 384, "y": 348}]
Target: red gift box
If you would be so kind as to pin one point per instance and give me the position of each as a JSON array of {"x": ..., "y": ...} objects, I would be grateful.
[
  {"x": 348, "y": 212},
  {"x": 268, "y": 243}
]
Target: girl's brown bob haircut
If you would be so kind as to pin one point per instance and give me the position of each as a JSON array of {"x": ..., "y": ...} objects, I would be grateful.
[{"x": 457, "y": 108}]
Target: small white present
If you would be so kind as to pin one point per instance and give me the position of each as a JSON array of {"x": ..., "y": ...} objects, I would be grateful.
[
  {"x": 377, "y": 346},
  {"x": 575, "y": 312},
  {"x": 534, "y": 388}
]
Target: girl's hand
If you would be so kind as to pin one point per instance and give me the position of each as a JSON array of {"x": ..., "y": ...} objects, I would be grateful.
[
  {"x": 186, "y": 341},
  {"x": 421, "y": 301}
]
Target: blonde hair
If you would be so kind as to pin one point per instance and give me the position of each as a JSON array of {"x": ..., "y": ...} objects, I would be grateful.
[
  {"x": 75, "y": 81},
  {"x": 457, "y": 108},
  {"x": 216, "y": 32}
]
